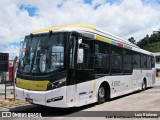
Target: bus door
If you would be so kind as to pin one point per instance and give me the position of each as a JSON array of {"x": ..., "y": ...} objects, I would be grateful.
[
  {"x": 145, "y": 66},
  {"x": 137, "y": 71},
  {"x": 71, "y": 78},
  {"x": 85, "y": 72},
  {"x": 136, "y": 79},
  {"x": 85, "y": 86},
  {"x": 153, "y": 70}
]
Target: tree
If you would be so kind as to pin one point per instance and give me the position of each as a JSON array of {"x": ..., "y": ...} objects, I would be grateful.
[
  {"x": 151, "y": 43},
  {"x": 132, "y": 40}
]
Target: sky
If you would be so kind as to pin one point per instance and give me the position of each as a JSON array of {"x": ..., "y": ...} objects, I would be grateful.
[{"x": 124, "y": 18}]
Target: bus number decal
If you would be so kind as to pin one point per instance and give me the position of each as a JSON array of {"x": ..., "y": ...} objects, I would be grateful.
[{"x": 116, "y": 83}]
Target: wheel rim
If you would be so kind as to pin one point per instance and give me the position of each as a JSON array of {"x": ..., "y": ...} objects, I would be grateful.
[
  {"x": 101, "y": 92},
  {"x": 143, "y": 86}
]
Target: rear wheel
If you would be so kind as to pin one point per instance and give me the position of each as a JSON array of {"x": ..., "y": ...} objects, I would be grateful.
[
  {"x": 144, "y": 85},
  {"x": 101, "y": 94}
]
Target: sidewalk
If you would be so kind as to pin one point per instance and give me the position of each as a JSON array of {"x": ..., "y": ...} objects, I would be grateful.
[
  {"x": 9, "y": 97},
  {"x": 158, "y": 78}
]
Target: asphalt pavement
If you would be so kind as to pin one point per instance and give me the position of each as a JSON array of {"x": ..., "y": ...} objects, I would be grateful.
[{"x": 148, "y": 101}]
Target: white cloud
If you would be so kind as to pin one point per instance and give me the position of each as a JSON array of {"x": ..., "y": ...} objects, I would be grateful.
[{"x": 125, "y": 19}]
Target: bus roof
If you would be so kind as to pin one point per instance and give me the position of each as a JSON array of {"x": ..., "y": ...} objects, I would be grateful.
[
  {"x": 99, "y": 34},
  {"x": 86, "y": 28},
  {"x": 64, "y": 27}
]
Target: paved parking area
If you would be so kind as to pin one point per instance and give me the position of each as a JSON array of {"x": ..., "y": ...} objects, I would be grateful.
[
  {"x": 9, "y": 91},
  {"x": 148, "y": 100}
]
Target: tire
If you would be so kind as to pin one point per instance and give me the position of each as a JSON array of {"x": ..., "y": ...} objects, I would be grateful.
[
  {"x": 144, "y": 85},
  {"x": 101, "y": 94}
]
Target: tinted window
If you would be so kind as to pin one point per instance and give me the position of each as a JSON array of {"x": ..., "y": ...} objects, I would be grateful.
[
  {"x": 88, "y": 56},
  {"x": 157, "y": 59},
  {"x": 116, "y": 59},
  {"x": 149, "y": 62},
  {"x": 143, "y": 61},
  {"x": 101, "y": 58},
  {"x": 127, "y": 61},
  {"x": 136, "y": 60},
  {"x": 153, "y": 62}
]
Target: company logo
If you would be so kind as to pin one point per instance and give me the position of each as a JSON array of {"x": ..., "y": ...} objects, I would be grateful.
[
  {"x": 12, "y": 114},
  {"x": 6, "y": 114}
]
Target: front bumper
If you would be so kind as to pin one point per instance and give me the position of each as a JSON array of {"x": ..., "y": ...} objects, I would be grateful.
[{"x": 51, "y": 98}]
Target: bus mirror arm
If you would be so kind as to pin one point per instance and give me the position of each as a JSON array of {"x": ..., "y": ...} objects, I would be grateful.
[{"x": 83, "y": 46}]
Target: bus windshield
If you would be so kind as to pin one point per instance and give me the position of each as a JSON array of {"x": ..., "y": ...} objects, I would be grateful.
[{"x": 42, "y": 53}]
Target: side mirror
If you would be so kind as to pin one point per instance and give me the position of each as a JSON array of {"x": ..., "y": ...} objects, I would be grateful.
[
  {"x": 82, "y": 45},
  {"x": 80, "y": 56}
]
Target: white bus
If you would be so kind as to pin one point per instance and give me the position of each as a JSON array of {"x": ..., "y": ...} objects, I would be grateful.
[{"x": 75, "y": 65}]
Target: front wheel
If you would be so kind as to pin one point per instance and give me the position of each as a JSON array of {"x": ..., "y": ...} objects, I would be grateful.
[{"x": 101, "y": 94}]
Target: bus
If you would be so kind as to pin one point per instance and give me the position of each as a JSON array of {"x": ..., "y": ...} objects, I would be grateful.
[{"x": 76, "y": 65}]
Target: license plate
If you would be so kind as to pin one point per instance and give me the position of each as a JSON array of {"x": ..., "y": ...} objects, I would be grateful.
[{"x": 29, "y": 100}]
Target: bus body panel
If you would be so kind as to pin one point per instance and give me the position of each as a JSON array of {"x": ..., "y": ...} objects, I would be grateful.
[
  {"x": 153, "y": 76},
  {"x": 137, "y": 78},
  {"x": 71, "y": 98},
  {"x": 86, "y": 92},
  {"x": 56, "y": 98},
  {"x": 19, "y": 93},
  {"x": 37, "y": 97}
]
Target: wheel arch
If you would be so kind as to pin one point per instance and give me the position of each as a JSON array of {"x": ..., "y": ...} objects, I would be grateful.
[
  {"x": 145, "y": 81},
  {"x": 107, "y": 89}
]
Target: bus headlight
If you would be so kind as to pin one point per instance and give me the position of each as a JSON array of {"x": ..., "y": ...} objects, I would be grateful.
[{"x": 56, "y": 84}]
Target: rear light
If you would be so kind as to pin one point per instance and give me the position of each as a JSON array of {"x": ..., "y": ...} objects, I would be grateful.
[{"x": 156, "y": 74}]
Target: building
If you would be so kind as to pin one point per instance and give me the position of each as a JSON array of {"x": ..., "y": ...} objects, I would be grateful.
[
  {"x": 157, "y": 56},
  {"x": 6, "y": 66}
]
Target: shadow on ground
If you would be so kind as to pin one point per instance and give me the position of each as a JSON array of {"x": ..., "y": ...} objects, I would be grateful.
[{"x": 51, "y": 112}]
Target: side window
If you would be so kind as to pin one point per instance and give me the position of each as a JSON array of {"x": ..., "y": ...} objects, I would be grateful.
[
  {"x": 153, "y": 62},
  {"x": 88, "y": 56},
  {"x": 127, "y": 61},
  {"x": 157, "y": 59},
  {"x": 116, "y": 59},
  {"x": 149, "y": 62},
  {"x": 101, "y": 58},
  {"x": 143, "y": 61},
  {"x": 136, "y": 60}
]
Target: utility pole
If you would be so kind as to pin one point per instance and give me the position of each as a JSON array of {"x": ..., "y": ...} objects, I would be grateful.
[
  {"x": 14, "y": 70},
  {"x": 4, "y": 60}
]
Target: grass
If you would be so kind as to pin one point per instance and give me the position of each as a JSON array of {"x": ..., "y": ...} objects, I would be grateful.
[{"x": 10, "y": 102}]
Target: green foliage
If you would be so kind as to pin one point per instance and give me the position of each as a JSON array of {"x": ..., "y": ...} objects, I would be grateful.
[
  {"x": 151, "y": 43},
  {"x": 153, "y": 47},
  {"x": 132, "y": 40}
]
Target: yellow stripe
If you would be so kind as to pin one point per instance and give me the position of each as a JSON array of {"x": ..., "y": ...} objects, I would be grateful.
[
  {"x": 99, "y": 38},
  {"x": 32, "y": 84},
  {"x": 94, "y": 85},
  {"x": 66, "y": 26},
  {"x": 103, "y": 39}
]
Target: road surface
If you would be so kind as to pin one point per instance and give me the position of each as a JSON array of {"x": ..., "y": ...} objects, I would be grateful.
[{"x": 148, "y": 100}]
